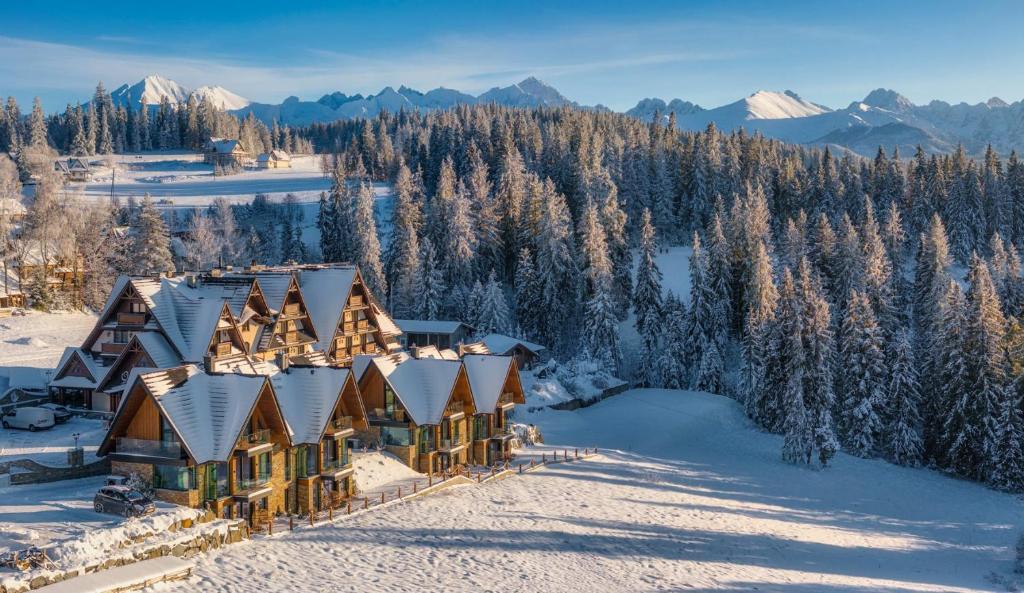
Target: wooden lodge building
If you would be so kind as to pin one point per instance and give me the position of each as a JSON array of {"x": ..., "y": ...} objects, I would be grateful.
[
  {"x": 225, "y": 151},
  {"x": 242, "y": 390}
]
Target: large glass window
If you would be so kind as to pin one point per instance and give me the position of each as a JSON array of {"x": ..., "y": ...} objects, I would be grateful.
[
  {"x": 480, "y": 430},
  {"x": 301, "y": 461},
  {"x": 395, "y": 436},
  {"x": 172, "y": 477},
  {"x": 263, "y": 466},
  {"x": 426, "y": 434},
  {"x": 389, "y": 402}
]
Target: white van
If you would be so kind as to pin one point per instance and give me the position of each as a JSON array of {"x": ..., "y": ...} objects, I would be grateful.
[{"x": 28, "y": 418}]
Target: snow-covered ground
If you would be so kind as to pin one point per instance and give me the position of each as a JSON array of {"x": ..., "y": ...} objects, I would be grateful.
[
  {"x": 38, "y": 339},
  {"x": 60, "y": 513},
  {"x": 685, "y": 495},
  {"x": 374, "y": 469},
  {"x": 182, "y": 178},
  {"x": 49, "y": 447}
]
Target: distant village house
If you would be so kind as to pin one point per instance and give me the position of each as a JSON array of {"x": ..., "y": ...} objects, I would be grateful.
[
  {"x": 225, "y": 152},
  {"x": 275, "y": 159}
]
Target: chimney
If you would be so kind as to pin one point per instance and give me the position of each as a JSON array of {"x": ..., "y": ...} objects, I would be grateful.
[
  {"x": 462, "y": 349},
  {"x": 193, "y": 280},
  {"x": 415, "y": 351},
  {"x": 281, "y": 359},
  {"x": 208, "y": 363},
  {"x": 216, "y": 273}
]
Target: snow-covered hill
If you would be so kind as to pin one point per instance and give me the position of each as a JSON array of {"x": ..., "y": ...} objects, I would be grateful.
[
  {"x": 155, "y": 87},
  {"x": 685, "y": 495}
]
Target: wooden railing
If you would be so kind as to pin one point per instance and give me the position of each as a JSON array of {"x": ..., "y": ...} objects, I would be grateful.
[
  {"x": 112, "y": 348},
  {"x": 355, "y": 301},
  {"x": 131, "y": 318},
  {"x": 223, "y": 349},
  {"x": 291, "y": 309}
]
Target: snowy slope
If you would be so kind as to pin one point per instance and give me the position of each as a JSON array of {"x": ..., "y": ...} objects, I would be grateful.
[
  {"x": 221, "y": 97},
  {"x": 692, "y": 499},
  {"x": 155, "y": 87}
]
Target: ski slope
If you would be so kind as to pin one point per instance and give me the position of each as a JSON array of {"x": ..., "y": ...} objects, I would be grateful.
[{"x": 693, "y": 498}]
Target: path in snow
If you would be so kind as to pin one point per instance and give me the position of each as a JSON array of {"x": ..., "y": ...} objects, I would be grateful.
[{"x": 717, "y": 511}]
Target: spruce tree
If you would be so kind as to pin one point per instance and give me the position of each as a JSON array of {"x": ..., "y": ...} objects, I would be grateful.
[
  {"x": 903, "y": 443},
  {"x": 1008, "y": 458},
  {"x": 862, "y": 376},
  {"x": 368, "y": 253},
  {"x": 647, "y": 303},
  {"x": 431, "y": 287},
  {"x": 152, "y": 241}
]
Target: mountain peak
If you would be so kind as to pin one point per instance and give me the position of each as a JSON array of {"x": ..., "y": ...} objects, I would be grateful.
[
  {"x": 888, "y": 99},
  {"x": 996, "y": 102},
  {"x": 775, "y": 105}
]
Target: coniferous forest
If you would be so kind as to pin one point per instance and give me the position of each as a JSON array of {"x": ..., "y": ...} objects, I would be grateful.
[{"x": 865, "y": 305}]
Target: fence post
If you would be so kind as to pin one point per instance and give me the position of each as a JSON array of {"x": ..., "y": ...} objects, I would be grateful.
[
  {"x": 414, "y": 487},
  {"x": 543, "y": 458},
  {"x": 310, "y": 517},
  {"x": 270, "y": 527},
  {"x": 349, "y": 506},
  {"x": 399, "y": 492},
  {"x": 520, "y": 468},
  {"x": 366, "y": 502},
  {"x": 577, "y": 453},
  {"x": 291, "y": 522},
  {"x": 382, "y": 498},
  {"x": 430, "y": 480},
  {"x": 330, "y": 512}
]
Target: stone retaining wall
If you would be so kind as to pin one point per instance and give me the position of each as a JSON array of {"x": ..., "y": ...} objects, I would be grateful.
[{"x": 36, "y": 473}]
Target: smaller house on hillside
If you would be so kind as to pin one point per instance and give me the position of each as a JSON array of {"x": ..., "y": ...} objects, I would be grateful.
[
  {"x": 225, "y": 151},
  {"x": 73, "y": 169},
  {"x": 526, "y": 353},
  {"x": 275, "y": 159},
  {"x": 433, "y": 332}
]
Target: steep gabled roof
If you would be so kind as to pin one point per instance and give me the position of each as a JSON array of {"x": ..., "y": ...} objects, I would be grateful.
[
  {"x": 70, "y": 355},
  {"x": 430, "y": 326},
  {"x": 326, "y": 292},
  {"x": 487, "y": 377},
  {"x": 160, "y": 353},
  {"x": 423, "y": 386},
  {"x": 224, "y": 145},
  {"x": 308, "y": 397},
  {"x": 207, "y": 411}
]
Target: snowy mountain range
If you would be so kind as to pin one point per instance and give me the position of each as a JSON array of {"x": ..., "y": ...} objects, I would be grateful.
[
  {"x": 153, "y": 88},
  {"x": 883, "y": 117},
  {"x": 528, "y": 93}
]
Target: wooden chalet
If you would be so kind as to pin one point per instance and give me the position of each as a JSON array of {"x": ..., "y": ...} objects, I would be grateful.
[
  {"x": 173, "y": 326},
  {"x": 218, "y": 441},
  {"x": 73, "y": 169},
  {"x": 225, "y": 151},
  {"x": 419, "y": 409},
  {"x": 275, "y": 159},
  {"x": 348, "y": 319},
  {"x": 323, "y": 408},
  {"x": 285, "y": 329},
  {"x": 496, "y": 388},
  {"x": 526, "y": 353}
]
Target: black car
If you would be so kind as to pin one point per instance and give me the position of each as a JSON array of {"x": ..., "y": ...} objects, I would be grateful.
[{"x": 122, "y": 500}]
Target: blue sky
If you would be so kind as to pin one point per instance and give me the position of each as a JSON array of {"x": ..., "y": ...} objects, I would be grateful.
[{"x": 614, "y": 53}]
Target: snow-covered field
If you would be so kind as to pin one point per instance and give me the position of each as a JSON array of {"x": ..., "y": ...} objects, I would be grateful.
[
  {"x": 182, "y": 178},
  {"x": 38, "y": 339},
  {"x": 686, "y": 495}
]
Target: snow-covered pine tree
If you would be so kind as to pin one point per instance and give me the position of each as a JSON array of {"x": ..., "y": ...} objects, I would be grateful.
[
  {"x": 152, "y": 241},
  {"x": 431, "y": 287},
  {"x": 862, "y": 377},
  {"x": 559, "y": 275},
  {"x": 600, "y": 323},
  {"x": 903, "y": 444},
  {"x": 37, "y": 137},
  {"x": 403, "y": 255},
  {"x": 672, "y": 371},
  {"x": 1008, "y": 463},
  {"x": 786, "y": 410},
  {"x": 819, "y": 397},
  {"x": 368, "y": 254},
  {"x": 761, "y": 300},
  {"x": 647, "y": 304},
  {"x": 492, "y": 313},
  {"x": 970, "y": 427},
  {"x": 527, "y": 296}
]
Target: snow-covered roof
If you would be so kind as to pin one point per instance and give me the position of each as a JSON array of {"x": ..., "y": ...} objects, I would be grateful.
[
  {"x": 501, "y": 344},
  {"x": 236, "y": 294},
  {"x": 476, "y": 348},
  {"x": 325, "y": 291},
  {"x": 159, "y": 351},
  {"x": 30, "y": 378},
  {"x": 424, "y": 386},
  {"x": 224, "y": 145},
  {"x": 276, "y": 155},
  {"x": 188, "y": 317},
  {"x": 91, "y": 365},
  {"x": 384, "y": 322},
  {"x": 487, "y": 376},
  {"x": 430, "y": 326},
  {"x": 308, "y": 397},
  {"x": 361, "y": 362},
  {"x": 208, "y": 411}
]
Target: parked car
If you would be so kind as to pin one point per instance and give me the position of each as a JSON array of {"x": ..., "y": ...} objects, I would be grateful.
[
  {"x": 28, "y": 418},
  {"x": 122, "y": 500},
  {"x": 60, "y": 413}
]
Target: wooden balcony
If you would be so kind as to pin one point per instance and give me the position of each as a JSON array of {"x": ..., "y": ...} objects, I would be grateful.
[
  {"x": 112, "y": 348},
  {"x": 223, "y": 349},
  {"x": 455, "y": 409},
  {"x": 291, "y": 309},
  {"x": 355, "y": 301},
  {"x": 131, "y": 318},
  {"x": 291, "y": 337},
  {"x": 349, "y": 327},
  {"x": 368, "y": 348}
]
